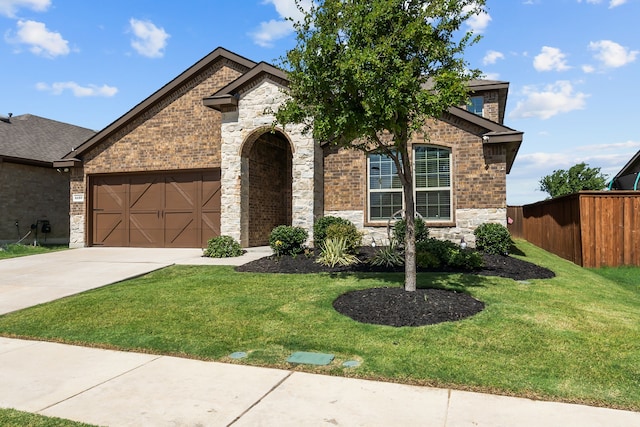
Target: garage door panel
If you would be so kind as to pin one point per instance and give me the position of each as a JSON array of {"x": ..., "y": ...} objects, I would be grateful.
[
  {"x": 210, "y": 226},
  {"x": 109, "y": 229},
  {"x": 181, "y": 194},
  {"x": 110, "y": 194},
  {"x": 146, "y": 229},
  {"x": 180, "y": 229},
  {"x": 211, "y": 196},
  {"x": 145, "y": 193}
]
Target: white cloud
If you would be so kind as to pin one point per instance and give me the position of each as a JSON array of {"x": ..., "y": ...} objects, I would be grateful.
[
  {"x": 288, "y": 8},
  {"x": 10, "y": 7},
  {"x": 78, "y": 91},
  {"x": 611, "y": 54},
  {"x": 479, "y": 22},
  {"x": 616, "y": 3},
  {"x": 150, "y": 40},
  {"x": 271, "y": 31},
  {"x": 588, "y": 69},
  {"x": 612, "y": 3},
  {"x": 492, "y": 76},
  {"x": 276, "y": 29},
  {"x": 552, "y": 100},
  {"x": 491, "y": 57},
  {"x": 41, "y": 41},
  {"x": 550, "y": 59}
]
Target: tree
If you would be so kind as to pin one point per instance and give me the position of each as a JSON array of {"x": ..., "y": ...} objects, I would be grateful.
[
  {"x": 367, "y": 74},
  {"x": 578, "y": 177}
]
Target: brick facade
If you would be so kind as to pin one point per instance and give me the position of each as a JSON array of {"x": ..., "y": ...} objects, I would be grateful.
[
  {"x": 344, "y": 180},
  {"x": 220, "y": 116},
  {"x": 31, "y": 193},
  {"x": 177, "y": 133},
  {"x": 269, "y": 187},
  {"x": 478, "y": 178}
]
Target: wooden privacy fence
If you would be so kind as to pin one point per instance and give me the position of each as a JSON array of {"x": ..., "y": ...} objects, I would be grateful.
[{"x": 590, "y": 228}]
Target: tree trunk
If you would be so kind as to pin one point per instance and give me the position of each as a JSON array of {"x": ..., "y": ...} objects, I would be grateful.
[
  {"x": 410, "y": 243},
  {"x": 410, "y": 237}
]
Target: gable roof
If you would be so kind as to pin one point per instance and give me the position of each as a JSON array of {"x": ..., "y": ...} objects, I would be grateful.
[
  {"x": 35, "y": 140},
  {"x": 226, "y": 99},
  {"x": 496, "y": 133},
  {"x": 217, "y": 54}
]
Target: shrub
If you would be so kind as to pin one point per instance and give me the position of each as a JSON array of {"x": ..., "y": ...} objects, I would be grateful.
[
  {"x": 388, "y": 256},
  {"x": 287, "y": 240},
  {"x": 321, "y": 225},
  {"x": 467, "y": 259},
  {"x": 353, "y": 238},
  {"x": 400, "y": 230},
  {"x": 434, "y": 253},
  {"x": 493, "y": 238},
  {"x": 427, "y": 260},
  {"x": 223, "y": 247},
  {"x": 335, "y": 251}
]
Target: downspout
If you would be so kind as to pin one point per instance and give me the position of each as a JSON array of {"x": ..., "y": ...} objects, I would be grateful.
[{"x": 635, "y": 185}]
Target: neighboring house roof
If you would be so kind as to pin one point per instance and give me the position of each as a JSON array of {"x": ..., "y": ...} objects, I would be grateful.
[
  {"x": 35, "y": 140},
  {"x": 218, "y": 54},
  {"x": 627, "y": 178}
]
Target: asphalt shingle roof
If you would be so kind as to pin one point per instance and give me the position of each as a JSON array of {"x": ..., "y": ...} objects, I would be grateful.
[{"x": 36, "y": 138}]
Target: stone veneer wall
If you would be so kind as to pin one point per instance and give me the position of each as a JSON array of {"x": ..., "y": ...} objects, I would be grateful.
[
  {"x": 250, "y": 121},
  {"x": 467, "y": 220},
  {"x": 176, "y": 133}
]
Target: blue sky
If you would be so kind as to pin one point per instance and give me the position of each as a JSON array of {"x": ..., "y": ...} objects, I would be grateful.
[{"x": 573, "y": 66}]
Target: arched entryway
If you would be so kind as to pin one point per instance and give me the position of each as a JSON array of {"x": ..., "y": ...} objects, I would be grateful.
[{"x": 266, "y": 181}]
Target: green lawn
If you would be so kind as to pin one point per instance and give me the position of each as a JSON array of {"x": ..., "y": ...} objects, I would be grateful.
[
  {"x": 13, "y": 418},
  {"x": 572, "y": 338},
  {"x": 14, "y": 250},
  {"x": 624, "y": 276}
]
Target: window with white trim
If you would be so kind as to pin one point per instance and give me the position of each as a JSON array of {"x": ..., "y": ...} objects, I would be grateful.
[
  {"x": 385, "y": 188},
  {"x": 432, "y": 185},
  {"x": 432, "y": 182}
]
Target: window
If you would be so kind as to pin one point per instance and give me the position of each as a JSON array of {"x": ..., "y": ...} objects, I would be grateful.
[
  {"x": 476, "y": 105},
  {"x": 432, "y": 185},
  {"x": 432, "y": 182},
  {"x": 385, "y": 189}
]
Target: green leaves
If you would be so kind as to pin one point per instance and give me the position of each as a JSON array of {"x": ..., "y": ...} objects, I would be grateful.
[
  {"x": 579, "y": 177},
  {"x": 361, "y": 67}
]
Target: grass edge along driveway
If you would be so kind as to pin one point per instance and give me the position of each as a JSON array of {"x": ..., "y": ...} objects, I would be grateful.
[{"x": 572, "y": 338}]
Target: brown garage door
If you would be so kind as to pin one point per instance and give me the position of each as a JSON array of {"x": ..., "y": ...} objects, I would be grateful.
[{"x": 173, "y": 210}]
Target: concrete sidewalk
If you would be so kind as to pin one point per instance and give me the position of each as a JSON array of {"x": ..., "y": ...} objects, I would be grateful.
[
  {"x": 128, "y": 389},
  {"x": 114, "y": 388}
]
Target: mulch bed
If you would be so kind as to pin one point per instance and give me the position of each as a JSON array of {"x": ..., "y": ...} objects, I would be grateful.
[{"x": 394, "y": 306}]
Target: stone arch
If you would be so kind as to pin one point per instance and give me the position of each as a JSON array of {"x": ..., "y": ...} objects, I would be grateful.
[{"x": 266, "y": 185}]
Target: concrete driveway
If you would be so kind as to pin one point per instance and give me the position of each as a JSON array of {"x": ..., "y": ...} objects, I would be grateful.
[{"x": 36, "y": 279}]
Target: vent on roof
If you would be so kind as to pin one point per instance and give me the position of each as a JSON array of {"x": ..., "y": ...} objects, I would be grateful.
[{"x": 6, "y": 119}]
